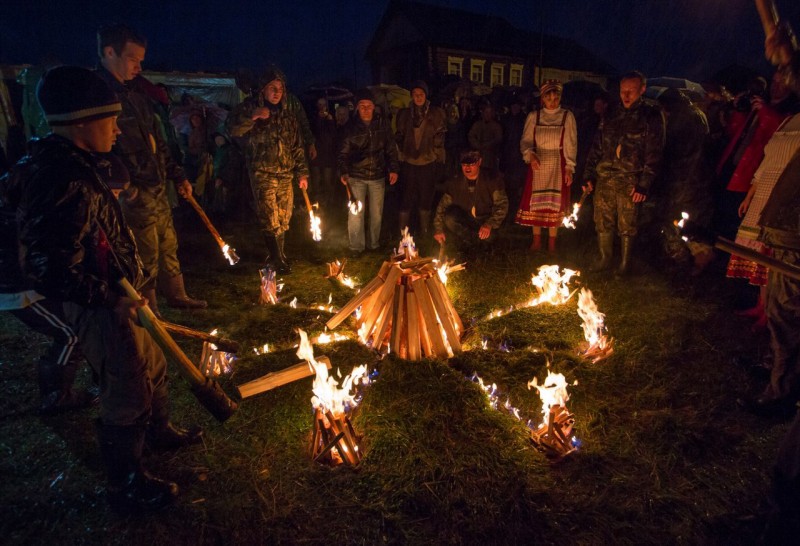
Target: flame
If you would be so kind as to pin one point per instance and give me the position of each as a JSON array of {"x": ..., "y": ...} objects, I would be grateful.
[
  {"x": 552, "y": 285},
  {"x": 442, "y": 271},
  {"x": 407, "y": 245},
  {"x": 261, "y": 350},
  {"x": 230, "y": 254},
  {"x": 349, "y": 282},
  {"x": 552, "y": 392},
  {"x": 316, "y": 224},
  {"x": 363, "y": 334},
  {"x": 484, "y": 344},
  {"x": 592, "y": 322},
  {"x": 357, "y": 312},
  {"x": 569, "y": 221},
  {"x": 356, "y": 207},
  {"x": 327, "y": 394},
  {"x": 682, "y": 222},
  {"x": 293, "y": 303},
  {"x": 214, "y": 362}
]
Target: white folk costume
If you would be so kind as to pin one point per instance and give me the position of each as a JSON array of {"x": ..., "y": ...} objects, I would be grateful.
[{"x": 552, "y": 137}]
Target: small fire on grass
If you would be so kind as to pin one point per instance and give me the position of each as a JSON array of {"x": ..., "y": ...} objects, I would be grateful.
[
  {"x": 269, "y": 287},
  {"x": 334, "y": 441},
  {"x": 554, "y": 436},
  {"x": 213, "y": 362},
  {"x": 324, "y": 338},
  {"x": 552, "y": 286},
  {"x": 445, "y": 268},
  {"x": 597, "y": 345},
  {"x": 336, "y": 273},
  {"x": 262, "y": 350},
  {"x": 405, "y": 309}
]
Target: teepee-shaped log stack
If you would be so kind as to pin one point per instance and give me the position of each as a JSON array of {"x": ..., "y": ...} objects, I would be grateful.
[{"x": 406, "y": 309}]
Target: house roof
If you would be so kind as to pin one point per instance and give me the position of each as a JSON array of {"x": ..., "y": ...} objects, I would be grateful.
[{"x": 460, "y": 29}]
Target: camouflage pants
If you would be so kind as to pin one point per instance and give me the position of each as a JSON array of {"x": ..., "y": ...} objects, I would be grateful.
[
  {"x": 614, "y": 208},
  {"x": 274, "y": 200},
  {"x": 783, "y": 319},
  {"x": 158, "y": 247}
]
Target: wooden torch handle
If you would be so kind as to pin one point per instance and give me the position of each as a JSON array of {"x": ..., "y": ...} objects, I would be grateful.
[
  {"x": 308, "y": 201},
  {"x": 768, "y": 13},
  {"x": 200, "y": 212}
]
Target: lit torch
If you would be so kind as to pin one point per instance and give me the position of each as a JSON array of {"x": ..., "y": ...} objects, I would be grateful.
[
  {"x": 354, "y": 204},
  {"x": 569, "y": 221},
  {"x": 316, "y": 222},
  {"x": 227, "y": 251}
]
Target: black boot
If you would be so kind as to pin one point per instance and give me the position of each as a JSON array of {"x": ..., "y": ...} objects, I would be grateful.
[
  {"x": 605, "y": 242},
  {"x": 281, "y": 240},
  {"x": 55, "y": 388},
  {"x": 162, "y": 435},
  {"x": 625, "y": 262},
  {"x": 131, "y": 489},
  {"x": 274, "y": 259}
]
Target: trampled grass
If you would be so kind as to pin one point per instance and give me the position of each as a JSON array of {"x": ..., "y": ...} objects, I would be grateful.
[{"x": 666, "y": 457}]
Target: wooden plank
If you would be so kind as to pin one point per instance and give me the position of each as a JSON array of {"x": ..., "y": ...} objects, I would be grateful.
[
  {"x": 274, "y": 380},
  {"x": 425, "y": 338},
  {"x": 412, "y": 319},
  {"x": 384, "y": 323},
  {"x": 429, "y": 314},
  {"x": 398, "y": 314},
  {"x": 444, "y": 315},
  {"x": 385, "y": 294},
  {"x": 353, "y": 304},
  {"x": 443, "y": 290}
]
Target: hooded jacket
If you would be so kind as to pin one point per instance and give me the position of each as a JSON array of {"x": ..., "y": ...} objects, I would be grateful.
[{"x": 74, "y": 242}]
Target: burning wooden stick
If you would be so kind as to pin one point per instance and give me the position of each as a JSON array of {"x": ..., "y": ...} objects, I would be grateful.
[
  {"x": 215, "y": 362},
  {"x": 336, "y": 273},
  {"x": 225, "y": 344},
  {"x": 316, "y": 222},
  {"x": 554, "y": 436},
  {"x": 569, "y": 221},
  {"x": 273, "y": 380},
  {"x": 228, "y": 251},
  {"x": 354, "y": 204},
  {"x": 207, "y": 391}
]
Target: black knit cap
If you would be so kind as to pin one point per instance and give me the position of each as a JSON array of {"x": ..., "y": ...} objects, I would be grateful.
[
  {"x": 70, "y": 95},
  {"x": 419, "y": 84},
  {"x": 470, "y": 157},
  {"x": 363, "y": 94}
]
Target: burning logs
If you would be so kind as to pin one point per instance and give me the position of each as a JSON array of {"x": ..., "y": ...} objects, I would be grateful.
[
  {"x": 334, "y": 440},
  {"x": 554, "y": 436},
  {"x": 273, "y": 380},
  {"x": 406, "y": 309},
  {"x": 336, "y": 273},
  {"x": 269, "y": 287},
  {"x": 597, "y": 345},
  {"x": 213, "y": 361}
]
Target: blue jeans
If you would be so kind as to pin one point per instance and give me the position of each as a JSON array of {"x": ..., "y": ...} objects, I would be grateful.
[{"x": 355, "y": 222}]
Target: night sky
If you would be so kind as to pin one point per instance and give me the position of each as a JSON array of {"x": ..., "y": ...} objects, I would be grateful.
[{"x": 318, "y": 42}]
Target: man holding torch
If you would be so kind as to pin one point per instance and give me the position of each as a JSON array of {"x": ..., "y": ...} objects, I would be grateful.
[{"x": 275, "y": 155}]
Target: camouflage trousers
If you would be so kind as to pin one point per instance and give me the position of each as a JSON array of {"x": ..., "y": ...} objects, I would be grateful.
[
  {"x": 783, "y": 319},
  {"x": 614, "y": 209},
  {"x": 158, "y": 247},
  {"x": 274, "y": 198}
]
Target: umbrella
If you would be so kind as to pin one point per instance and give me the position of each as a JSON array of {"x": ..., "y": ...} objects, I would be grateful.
[
  {"x": 388, "y": 95},
  {"x": 329, "y": 92},
  {"x": 213, "y": 115},
  {"x": 683, "y": 84}
]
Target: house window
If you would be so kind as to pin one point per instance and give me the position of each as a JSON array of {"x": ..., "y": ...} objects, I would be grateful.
[
  {"x": 476, "y": 70},
  {"x": 497, "y": 74},
  {"x": 515, "y": 75},
  {"x": 454, "y": 65}
]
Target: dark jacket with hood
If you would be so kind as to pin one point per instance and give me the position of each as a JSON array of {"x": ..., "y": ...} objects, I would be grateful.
[
  {"x": 367, "y": 151},
  {"x": 74, "y": 242}
]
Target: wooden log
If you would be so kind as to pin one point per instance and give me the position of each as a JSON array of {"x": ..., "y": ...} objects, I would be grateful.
[
  {"x": 424, "y": 337},
  {"x": 429, "y": 314},
  {"x": 223, "y": 344},
  {"x": 274, "y": 380},
  {"x": 446, "y": 297},
  {"x": 398, "y": 318},
  {"x": 384, "y": 323},
  {"x": 345, "y": 446},
  {"x": 444, "y": 315},
  {"x": 353, "y": 304},
  {"x": 383, "y": 297},
  {"x": 412, "y": 318},
  {"x": 408, "y": 264}
]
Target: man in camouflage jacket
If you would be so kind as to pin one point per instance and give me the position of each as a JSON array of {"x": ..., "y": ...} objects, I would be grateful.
[
  {"x": 622, "y": 165},
  {"x": 275, "y": 156}
]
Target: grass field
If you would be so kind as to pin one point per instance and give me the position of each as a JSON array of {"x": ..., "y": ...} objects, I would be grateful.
[{"x": 666, "y": 457}]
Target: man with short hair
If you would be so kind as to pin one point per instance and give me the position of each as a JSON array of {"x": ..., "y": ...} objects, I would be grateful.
[
  {"x": 275, "y": 156},
  {"x": 75, "y": 248},
  {"x": 473, "y": 206},
  {"x": 366, "y": 153},
  {"x": 146, "y": 155},
  {"x": 622, "y": 165}
]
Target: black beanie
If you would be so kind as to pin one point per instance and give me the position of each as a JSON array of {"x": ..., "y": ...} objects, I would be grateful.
[
  {"x": 364, "y": 94},
  {"x": 419, "y": 84},
  {"x": 70, "y": 95}
]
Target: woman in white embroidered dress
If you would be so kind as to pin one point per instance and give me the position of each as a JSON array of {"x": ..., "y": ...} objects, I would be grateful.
[{"x": 549, "y": 144}]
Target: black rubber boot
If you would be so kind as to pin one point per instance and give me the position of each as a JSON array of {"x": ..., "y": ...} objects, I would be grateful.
[
  {"x": 281, "y": 240},
  {"x": 625, "y": 262},
  {"x": 605, "y": 242},
  {"x": 164, "y": 436},
  {"x": 274, "y": 259},
  {"x": 131, "y": 489}
]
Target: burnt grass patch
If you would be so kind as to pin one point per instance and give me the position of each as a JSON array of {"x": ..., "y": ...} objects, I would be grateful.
[{"x": 666, "y": 456}]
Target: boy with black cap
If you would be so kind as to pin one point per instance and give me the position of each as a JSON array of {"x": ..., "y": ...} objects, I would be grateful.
[
  {"x": 473, "y": 206},
  {"x": 76, "y": 246}
]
